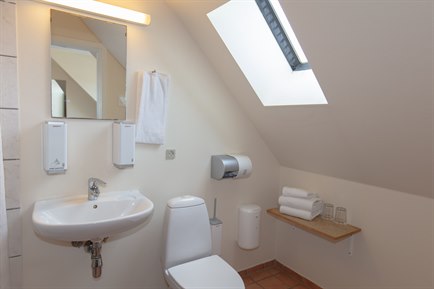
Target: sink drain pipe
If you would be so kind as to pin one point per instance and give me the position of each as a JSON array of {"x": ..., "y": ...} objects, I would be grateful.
[
  {"x": 94, "y": 248},
  {"x": 95, "y": 251}
]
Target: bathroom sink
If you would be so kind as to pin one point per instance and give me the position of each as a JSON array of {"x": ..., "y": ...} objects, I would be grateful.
[{"x": 75, "y": 218}]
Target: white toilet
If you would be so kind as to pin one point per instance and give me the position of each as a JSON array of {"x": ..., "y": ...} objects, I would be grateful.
[{"x": 187, "y": 259}]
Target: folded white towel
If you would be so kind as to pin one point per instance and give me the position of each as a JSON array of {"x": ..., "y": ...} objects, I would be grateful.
[
  {"x": 311, "y": 205},
  {"x": 152, "y": 100},
  {"x": 298, "y": 193},
  {"x": 299, "y": 213}
]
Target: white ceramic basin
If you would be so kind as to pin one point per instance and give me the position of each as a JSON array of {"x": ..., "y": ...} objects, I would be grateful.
[{"x": 75, "y": 218}]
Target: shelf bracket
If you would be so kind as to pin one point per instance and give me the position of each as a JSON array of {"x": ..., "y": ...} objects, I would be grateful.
[{"x": 350, "y": 245}]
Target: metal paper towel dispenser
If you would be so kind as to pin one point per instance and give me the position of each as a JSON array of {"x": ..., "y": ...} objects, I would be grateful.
[{"x": 230, "y": 166}]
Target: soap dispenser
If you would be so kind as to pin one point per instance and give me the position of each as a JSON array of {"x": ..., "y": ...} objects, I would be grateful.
[
  {"x": 55, "y": 147},
  {"x": 123, "y": 144}
]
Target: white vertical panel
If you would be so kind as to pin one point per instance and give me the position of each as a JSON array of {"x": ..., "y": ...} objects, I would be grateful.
[
  {"x": 7, "y": 29},
  {"x": 9, "y": 128},
  {"x": 15, "y": 267},
  {"x": 14, "y": 232},
  {"x": 12, "y": 183},
  {"x": 8, "y": 82}
]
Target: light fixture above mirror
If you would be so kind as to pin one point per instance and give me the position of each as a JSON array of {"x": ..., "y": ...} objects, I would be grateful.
[{"x": 105, "y": 9}]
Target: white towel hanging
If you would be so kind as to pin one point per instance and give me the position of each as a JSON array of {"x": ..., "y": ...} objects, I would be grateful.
[{"x": 152, "y": 99}]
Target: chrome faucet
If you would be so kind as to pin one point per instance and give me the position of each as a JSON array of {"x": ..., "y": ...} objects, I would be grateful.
[{"x": 92, "y": 188}]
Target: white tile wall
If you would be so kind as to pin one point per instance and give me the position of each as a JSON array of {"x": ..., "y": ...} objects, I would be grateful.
[
  {"x": 10, "y": 133},
  {"x": 14, "y": 232},
  {"x": 9, "y": 116},
  {"x": 7, "y": 29},
  {"x": 8, "y": 82},
  {"x": 12, "y": 183},
  {"x": 15, "y": 267}
]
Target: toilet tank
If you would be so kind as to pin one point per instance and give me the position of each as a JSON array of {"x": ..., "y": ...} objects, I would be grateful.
[{"x": 187, "y": 234}]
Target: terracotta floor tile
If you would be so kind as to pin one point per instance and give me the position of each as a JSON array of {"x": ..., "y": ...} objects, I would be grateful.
[
  {"x": 255, "y": 268},
  {"x": 243, "y": 273},
  {"x": 277, "y": 287},
  {"x": 272, "y": 282},
  {"x": 247, "y": 280},
  {"x": 286, "y": 279},
  {"x": 273, "y": 275},
  {"x": 269, "y": 264},
  {"x": 293, "y": 275},
  {"x": 253, "y": 286},
  {"x": 260, "y": 274},
  {"x": 274, "y": 269},
  {"x": 311, "y": 285},
  {"x": 299, "y": 287}
]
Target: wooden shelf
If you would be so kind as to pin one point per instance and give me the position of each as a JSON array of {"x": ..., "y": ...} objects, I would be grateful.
[{"x": 323, "y": 228}]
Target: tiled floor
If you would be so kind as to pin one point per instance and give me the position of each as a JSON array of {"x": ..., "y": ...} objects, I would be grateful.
[{"x": 273, "y": 275}]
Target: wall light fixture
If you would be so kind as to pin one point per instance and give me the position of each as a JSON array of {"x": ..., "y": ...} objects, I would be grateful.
[{"x": 105, "y": 9}]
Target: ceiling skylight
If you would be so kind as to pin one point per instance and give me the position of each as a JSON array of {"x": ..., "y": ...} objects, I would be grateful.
[{"x": 248, "y": 37}]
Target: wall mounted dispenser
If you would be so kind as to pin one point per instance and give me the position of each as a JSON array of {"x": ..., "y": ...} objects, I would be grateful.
[
  {"x": 124, "y": 144},
  {"x": 55, "y": 147},
  {"x": 230, "y": 166}
]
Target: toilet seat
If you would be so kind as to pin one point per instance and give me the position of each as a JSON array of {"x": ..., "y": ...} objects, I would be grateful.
[{"x": 209, "y": 272}]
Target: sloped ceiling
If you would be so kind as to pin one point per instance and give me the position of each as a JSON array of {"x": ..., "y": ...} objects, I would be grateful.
[{"x": 374, "y": 62}]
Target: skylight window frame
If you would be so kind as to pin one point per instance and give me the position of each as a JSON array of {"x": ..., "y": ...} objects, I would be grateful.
[
  {"x": 243, "y": 29},
  {"x": 283, "y": 33}
]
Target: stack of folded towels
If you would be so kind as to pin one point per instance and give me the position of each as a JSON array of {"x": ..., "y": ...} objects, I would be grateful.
[{"x": 299, "y": 203}]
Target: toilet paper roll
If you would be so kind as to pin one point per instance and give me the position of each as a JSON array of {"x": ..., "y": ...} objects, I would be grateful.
[{"x": 244, "y": 166}]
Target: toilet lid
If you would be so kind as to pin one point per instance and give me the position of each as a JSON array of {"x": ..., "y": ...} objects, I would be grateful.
[{"x": 209, "y": 272}]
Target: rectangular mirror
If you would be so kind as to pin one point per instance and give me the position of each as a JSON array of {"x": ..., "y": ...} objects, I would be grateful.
[{"x": 88, "y": 67}]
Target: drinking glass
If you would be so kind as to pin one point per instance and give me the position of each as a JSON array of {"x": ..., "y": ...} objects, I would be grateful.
[
  {"x": 327, "y": 212},
  {"x": 341, "y": 215}
]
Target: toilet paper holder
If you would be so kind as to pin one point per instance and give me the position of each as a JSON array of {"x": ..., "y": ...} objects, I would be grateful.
[{"x": 230, "y": 166}]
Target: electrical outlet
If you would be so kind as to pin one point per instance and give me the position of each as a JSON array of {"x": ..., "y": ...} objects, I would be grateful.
[{"x": 170, "y": 154}]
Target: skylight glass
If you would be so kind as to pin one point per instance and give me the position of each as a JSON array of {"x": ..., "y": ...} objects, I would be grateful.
[{"x": 249, "y": 39}]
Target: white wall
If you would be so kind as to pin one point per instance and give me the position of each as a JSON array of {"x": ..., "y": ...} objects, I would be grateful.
[
  {"x": 394, "y": 249},
  {"x": 377, "y": 128},
  {"x": 9, "y": 122},
  {"x": 203, "y": 119}
]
